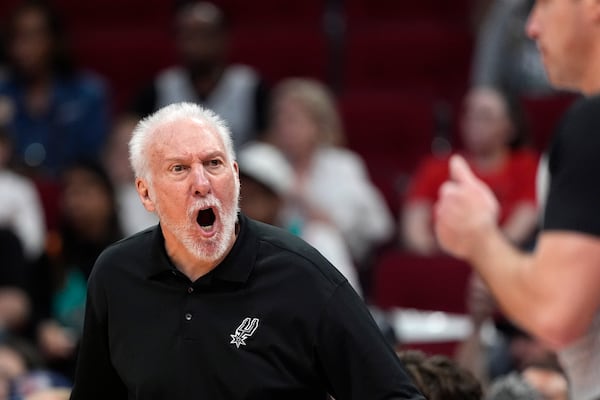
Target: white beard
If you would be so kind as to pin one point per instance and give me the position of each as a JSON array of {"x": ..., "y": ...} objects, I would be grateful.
[{"x": 214, "y": 248}]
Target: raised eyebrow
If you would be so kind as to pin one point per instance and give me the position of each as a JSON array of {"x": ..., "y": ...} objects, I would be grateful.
[
  {"x": 176, "y": 160},
  {"x": 214, "y": 154}
]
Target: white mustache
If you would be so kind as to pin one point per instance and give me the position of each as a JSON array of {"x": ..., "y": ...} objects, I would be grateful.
[{"x": 204, "y": 203}]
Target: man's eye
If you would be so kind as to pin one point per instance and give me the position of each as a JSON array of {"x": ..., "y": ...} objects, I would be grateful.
[
  {"x": 214, "y": 163},
  {"x": 178, "y": 168}
]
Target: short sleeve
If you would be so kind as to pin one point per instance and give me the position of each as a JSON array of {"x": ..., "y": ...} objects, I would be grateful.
[{"x": 574, "y": 163}]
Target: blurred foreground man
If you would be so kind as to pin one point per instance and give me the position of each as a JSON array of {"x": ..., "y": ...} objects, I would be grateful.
[{"x": 554, "y": 293}]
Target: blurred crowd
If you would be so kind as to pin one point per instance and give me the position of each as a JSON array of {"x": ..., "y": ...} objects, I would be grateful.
[{"x": 66, "y": 188}]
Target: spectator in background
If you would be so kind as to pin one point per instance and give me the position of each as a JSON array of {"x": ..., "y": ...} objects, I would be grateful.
[
  {"x": 41, "y": 385},
  {"x": 89, "y": 224},
  {"x": 492, "y": 136},
  {"x": 20, "y": 207},
  {"x": 511, "y": 350},
  {"x": 330, "y": 183},
  {"x": 504, "y": 55},
  {"x": 235, "y": 92},
  {"x": 22, "y": 235},
  {"x": 133, "y": 217},
  {"x": 534, "y": 383},
  {"x": 57, "y": 114},
  {"x": 266, "y": 180},
  {"x": 17, "y": 358},
  {"x": 440, "y": 378},
  {"x": 14, "y": 302}
]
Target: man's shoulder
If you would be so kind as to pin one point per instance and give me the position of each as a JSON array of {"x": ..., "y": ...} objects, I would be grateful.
[
  {"x": 577, "y": 134},
  {"x": 132, "y": 250},
  {"x": 293, "y": 254},
  {"x": 582, "y": 113}
]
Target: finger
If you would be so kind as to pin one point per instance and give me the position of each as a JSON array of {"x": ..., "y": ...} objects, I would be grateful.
[
  {"x": 460, "y": 170},
  {"x": 447, "y": 189}
]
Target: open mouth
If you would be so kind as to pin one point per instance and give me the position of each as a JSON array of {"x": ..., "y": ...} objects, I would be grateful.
[{"x": 206, "y": 219}]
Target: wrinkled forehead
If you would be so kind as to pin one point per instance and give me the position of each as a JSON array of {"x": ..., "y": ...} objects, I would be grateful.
[{"x": 185, "y": 136}]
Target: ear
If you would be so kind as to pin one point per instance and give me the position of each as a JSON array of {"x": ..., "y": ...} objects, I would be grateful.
[
  {"x": 236, "y": 168},
  {"x": 143, "y": 190}
]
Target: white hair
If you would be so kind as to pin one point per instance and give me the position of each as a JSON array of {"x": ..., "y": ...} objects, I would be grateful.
[{"x": 148, "y": 126}]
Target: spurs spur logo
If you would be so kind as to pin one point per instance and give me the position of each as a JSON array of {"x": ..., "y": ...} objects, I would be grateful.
[{"x": 244, "y": 331}]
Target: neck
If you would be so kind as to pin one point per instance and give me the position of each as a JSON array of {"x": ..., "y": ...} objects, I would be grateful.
[
  {"x": 591, "y": 87},
  {"x": 303, "y": 159},
  {"x": 590, "y": 82},
  {"x": 490, "y": 161},
  {"x": 206, "y": 80},
  {"x": 189, "y": 264}
]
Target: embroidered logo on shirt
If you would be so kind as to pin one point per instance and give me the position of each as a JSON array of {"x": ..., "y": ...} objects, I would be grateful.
[{"x": 244, "y": 331}]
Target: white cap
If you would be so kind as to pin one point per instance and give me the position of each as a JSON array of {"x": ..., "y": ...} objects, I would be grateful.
[{"x": 267, "y": 165}]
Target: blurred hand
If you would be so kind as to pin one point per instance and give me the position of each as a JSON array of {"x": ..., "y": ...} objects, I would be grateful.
[
  {"x": 465, "y": 212},
  {"x": 14, "y": 308},
  {"x": 55, "y": 341}
]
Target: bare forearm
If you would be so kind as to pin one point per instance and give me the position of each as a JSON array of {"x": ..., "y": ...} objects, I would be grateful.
[
  {"x": 552, "y": 293},
  {"x": 504, "y": 268},
  {"x": 539, "y": 291}
]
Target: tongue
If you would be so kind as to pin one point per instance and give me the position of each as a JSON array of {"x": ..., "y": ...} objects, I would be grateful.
[{"x": 206, "y": 218}]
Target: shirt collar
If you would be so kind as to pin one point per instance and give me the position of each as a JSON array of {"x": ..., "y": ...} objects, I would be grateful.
[{"x": 236, "y": 267}]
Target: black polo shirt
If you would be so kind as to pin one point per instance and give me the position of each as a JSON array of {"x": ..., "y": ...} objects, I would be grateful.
[{"x": 274, "y": 320}]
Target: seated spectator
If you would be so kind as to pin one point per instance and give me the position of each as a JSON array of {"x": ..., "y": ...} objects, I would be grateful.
[
  {"x": 22, "y": 235},
  {"x": 20, "y": 207},
  {"x": 440, "y": 378},
  {"x": 266, "y": 180},
  {"x": 15, "y": 307},
  {"x": 17, "y": 359},
  {"x": 534, "y": 383},
  {"x": 504, "y": 55},
  {"x": 133, "y": 217},
  {"x": 493, "y": 146},
  {"x": 57, "y": 114},
  {"x": 41, "y": 385},
  {"x": 512, "y": 349},
  {"x": 235, "y": 92},
  {"x": 89, "y": 225},
  {"x": 330, "y": 183}
]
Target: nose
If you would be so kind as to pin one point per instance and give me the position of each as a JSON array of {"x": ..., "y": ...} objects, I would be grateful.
[
  {"x": 532, "y": 28},
  {"x": 200, "y": 182}
]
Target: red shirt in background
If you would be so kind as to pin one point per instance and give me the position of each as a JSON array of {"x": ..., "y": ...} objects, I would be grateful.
[{"x": 512, "y": 184}]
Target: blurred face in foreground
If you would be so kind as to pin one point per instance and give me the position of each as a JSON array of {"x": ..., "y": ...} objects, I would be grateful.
[
  {"x": 193, "y": 188},
  {"x": 565, "y": 31}
]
